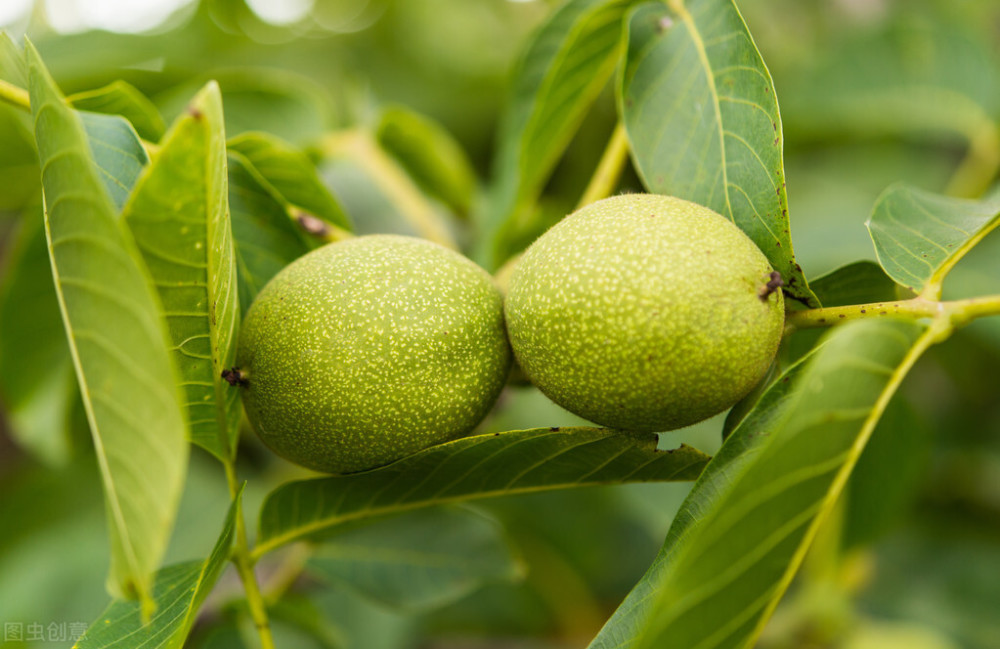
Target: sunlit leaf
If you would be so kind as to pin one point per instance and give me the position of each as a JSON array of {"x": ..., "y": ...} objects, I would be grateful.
[
  {"x": 118, "y": 341},
  {"x": 117, "y": 153},
  {"x": 122, "y": 98},
  {"x": 179, "y": 216},
  {"x": 290, "y": 175},
  {"x": 469, "y": 468},
  {"x": 36, "y": 370},
  {"x": 180, "y": 591},
  {"x": 919, "y": 236},
  {"x": 265, "y": 238},
  {"x": 702, "y": 120},
  {"x": 744, "y": 528},
  {"x": 566, "y": 64},
  {"x": 430, "y": 155},
  {"x": 13, "y": 68},
  {"x": 418, "y": 560}
]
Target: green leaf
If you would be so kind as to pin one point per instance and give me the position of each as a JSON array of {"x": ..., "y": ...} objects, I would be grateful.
[
  {"x": 419, "y": 560},
  {"x": 922, "y": 75},
  {"x": 118, "y": 341},
  {"x": 277, "y": 101},
  {"x": 290, "y": 175},
  {"x": 743, "y": 530},
  {"x": 36, "y": 369},
  {"x": 878, "y": 497},
  {"x": 473, "y": 467},
  {"x": 118, "y": 155},
  {"x": 265, "y": 238},
  {"x": 430, "y": 155},
  {"x": 859, "y": 283},
  {"x": 13, "y": 68},
  {"x": 122, "y": 98},
  {"x": 919, "y": 236},
  {"x": 18, "y": 162},
  {"x": 567, "y": 63},
  {"x": 180, "y": 591},
  {"x": 179, "y": 216},
  {"x": 702, "y": 120}
]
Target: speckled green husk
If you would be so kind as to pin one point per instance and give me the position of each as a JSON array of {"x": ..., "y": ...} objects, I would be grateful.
[
  {"x": 643, "y": 312},
  {"x": 367, "y": 350}
]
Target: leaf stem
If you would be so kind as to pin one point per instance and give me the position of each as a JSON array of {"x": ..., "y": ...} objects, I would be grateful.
[
  {"x": 958, "y": 312},
  {"x": 11, "y": 94},
  {"x": 361, "y": 147},
  {"x": 981, "y": 162},
  {"x": 244, "y": 563},
  {"x": 609, "y": 169}
]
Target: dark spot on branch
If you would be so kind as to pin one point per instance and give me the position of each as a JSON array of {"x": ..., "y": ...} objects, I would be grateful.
[{"x": 554, "y": 429}]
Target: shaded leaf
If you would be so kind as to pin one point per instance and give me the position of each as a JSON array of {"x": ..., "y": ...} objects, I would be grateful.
[
  {"x": 118, "y": 155},
  {"x": 744, "y": 528},
  {"x": 922, "y": 74},
  {"x": 473, "y": 467},
  {"x": 888, "y": 476},
  {"x": 36, "y": 369},
  {"x": 179, "y": 216},
  {"x": 919, "y": 236},
  {"x": 180, "y": 590},
  {"x": 264, "y": 236},
  {"x": 858, "y": 283},
  {"x": 430, "y": 155},
  {"x": 289, "y": 174},
  {"x": 419, "y": 560},
  {"x": 565, "y": 66},
  {"x": 122, "y": 98},
  {"x": 118, "y": 341},
  {"x": 702, "y": 119},
  {"x": 18, "y": 164},
  {"x": 277, "y": 101}
]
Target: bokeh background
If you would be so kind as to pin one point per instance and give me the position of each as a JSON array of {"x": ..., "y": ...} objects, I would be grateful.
[{"x": 872, "y": 92}]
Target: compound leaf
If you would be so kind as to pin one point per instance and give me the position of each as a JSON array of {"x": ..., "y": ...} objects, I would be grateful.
[
  {"x": 919, "y": 236},
  {"x": 473, "y": 467},
  {"x": 741, "y": 533},
  {"x": 702, "y": 120},
  {"x": 419, "y": 560},
  {"x": 117, "y": 153},
  {"x": 180, "y": 590},
  {"x": 289, "y": 174},
  {"x": 122, "y": 98},
  {"x": 118, "y": 342},
  {"x": 858, "y": 283},
  {"x": 265, "y": 238},
  {"x": 179, "y": 216},
  {"x": 36, "y": 369},
  {"x": 430, "y": 155},
  {"x": 564, "y": 68}
]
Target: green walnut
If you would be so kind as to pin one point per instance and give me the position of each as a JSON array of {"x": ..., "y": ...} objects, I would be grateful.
[
  {"x": 367, "y": 350},
  {"x": 644, "y": 312}
]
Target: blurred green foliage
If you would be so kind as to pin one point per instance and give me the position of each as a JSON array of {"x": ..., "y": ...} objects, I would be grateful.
[{"x": 870, "y": 92}]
